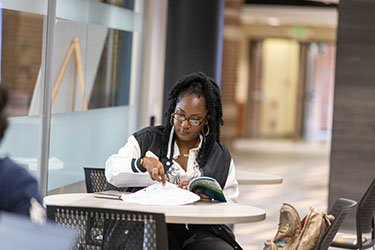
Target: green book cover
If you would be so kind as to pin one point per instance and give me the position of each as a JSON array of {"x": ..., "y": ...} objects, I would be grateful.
[{"x": 207, "y": 186}]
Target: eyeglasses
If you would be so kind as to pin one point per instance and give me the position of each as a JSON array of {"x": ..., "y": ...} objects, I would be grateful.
[{"x": 191, "y": 121}]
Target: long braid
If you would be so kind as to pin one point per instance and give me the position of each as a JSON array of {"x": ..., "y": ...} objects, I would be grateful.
[{"x": 197, "y": 84}]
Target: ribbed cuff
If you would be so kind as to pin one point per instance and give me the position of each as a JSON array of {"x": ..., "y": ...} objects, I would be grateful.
[{"x": 136, "y": 166}]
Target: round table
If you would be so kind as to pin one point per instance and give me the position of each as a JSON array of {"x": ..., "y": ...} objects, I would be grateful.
[
  {"x": 252, "y": 178},
  {"x": 201, "y": 212}
]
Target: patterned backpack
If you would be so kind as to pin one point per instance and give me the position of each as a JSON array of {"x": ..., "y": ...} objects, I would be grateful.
[{"x": 294, "y": 234}]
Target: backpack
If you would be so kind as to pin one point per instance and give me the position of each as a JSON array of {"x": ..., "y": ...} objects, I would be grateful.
[{"x": 294, "y": 234}]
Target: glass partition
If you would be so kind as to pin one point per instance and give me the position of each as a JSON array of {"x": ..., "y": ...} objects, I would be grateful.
[
  {"x": 21, "y": 57},
  {"x": 97, "y": 51},
  {"x": 85, "y": 138}
]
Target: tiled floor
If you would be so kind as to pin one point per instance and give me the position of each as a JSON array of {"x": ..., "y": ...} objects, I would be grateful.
[{"x": 304, "y": 168}]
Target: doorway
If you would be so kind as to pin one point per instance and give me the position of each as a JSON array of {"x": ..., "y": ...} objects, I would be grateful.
[{"x": 290, "y": 90}]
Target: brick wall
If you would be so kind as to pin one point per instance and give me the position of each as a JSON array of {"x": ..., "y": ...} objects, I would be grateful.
[
  {"x": 21, "y": 52},
  {"x": 231, "y": 47}
]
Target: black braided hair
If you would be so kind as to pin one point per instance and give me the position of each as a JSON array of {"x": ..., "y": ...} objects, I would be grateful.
[
  {"x": 3, "y": 117},
  {"x": 198, "y": 84}
]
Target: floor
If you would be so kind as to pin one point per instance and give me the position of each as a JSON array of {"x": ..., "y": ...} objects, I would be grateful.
[{"x": 304, "y": 167}]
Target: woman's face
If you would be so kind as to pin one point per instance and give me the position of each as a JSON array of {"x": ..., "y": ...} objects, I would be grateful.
[{"x": 190, "y": 117}]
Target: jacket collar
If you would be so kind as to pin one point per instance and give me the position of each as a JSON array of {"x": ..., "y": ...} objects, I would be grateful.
[{"x": 174, "y": 151}]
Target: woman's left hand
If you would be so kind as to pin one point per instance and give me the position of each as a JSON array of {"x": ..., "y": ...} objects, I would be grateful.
[
  {"x": 203, "y": 197},
  {"x": 184, "y": 184}
]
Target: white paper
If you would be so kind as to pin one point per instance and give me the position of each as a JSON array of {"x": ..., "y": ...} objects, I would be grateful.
[{"x": 159, "y": 194}]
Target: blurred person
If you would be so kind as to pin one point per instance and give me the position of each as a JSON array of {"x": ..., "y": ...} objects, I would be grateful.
[
  {"x": 186, "y": 147},
  {"x": 19, "y": 192}
]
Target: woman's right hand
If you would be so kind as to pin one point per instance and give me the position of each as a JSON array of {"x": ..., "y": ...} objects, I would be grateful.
[{"x": 155, "y": 169}]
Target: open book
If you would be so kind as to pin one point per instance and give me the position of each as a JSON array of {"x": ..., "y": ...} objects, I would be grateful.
[
  {"x": 159, "y": 194},
  {"x": 207, "y": 186},
  {"x": 170, "y": 194}
]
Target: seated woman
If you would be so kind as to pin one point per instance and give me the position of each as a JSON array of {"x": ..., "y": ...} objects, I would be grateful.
[
  {"x": 186, "y": 147},
  {"x": 19, "y": 192}
]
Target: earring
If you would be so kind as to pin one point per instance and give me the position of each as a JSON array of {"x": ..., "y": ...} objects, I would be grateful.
[
  {"x": 171, "y": 120},
  {"x": 208, "y": 130}
]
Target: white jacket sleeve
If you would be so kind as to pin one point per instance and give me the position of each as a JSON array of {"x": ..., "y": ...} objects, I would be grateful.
[
  {"x": 231, "y": 190},
  {"x": 123, "y": 169}
]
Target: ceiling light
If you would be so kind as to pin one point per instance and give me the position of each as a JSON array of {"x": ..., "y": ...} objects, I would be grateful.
[{"x": 273, "y": 21}]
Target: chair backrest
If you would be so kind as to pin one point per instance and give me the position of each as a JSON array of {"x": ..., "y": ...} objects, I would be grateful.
[
  {"x": 339, "y": 210},
  {"x": 109, "y": 229},
  {"x": 365, "y": 215},
  {"x": 96, "y": 181}
]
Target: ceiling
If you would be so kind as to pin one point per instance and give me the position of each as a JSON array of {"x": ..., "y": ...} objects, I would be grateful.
[
  {"x": 321, "y": 3},
  {"x": 277, "y": 15},
  {"x": 327, "y": 1}
]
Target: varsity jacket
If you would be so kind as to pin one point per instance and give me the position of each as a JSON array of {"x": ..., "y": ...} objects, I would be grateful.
[{"x": 124, "y": 169}]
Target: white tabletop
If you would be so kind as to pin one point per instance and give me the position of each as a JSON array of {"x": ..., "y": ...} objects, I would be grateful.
[
  {"x": 201, "y": 212},
  {"x": 252, "y": 178}
]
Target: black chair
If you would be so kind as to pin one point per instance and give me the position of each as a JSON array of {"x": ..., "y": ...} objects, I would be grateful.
[
  {"x": 96, "y": 181},
  {"x": 339, "y": 210},
  {"x": 113, "y": 229},
  {"x": 364, "y": 222}
]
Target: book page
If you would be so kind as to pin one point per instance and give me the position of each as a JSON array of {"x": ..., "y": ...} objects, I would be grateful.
[{"x": 159, "y": 194}]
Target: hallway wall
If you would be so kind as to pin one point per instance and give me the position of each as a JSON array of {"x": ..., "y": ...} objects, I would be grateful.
[
  {"x": 353, "y": 137},
  {"x": 279, "y": 87}
]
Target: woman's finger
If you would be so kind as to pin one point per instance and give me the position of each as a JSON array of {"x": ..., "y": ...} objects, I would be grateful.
[
  {"x": 155, "y": 169},
  {"x": 161, "y": 173},
  {"x": 184, "y": 184},
  {"x": 164, "y": 179},
  {"x": 155, "y": 174},
  {"x": 203, "y": 197},
  {"x": 158, "y": 175},
  {"x": 152, "y": 173}
]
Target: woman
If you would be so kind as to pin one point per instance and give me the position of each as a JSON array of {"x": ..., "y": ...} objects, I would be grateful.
[
  {"x": 188, "y": 146},
  {"x": 19, "y": 192}
]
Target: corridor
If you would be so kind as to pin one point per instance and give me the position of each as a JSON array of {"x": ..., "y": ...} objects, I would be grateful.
[{"x": 305, "y": 169}]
